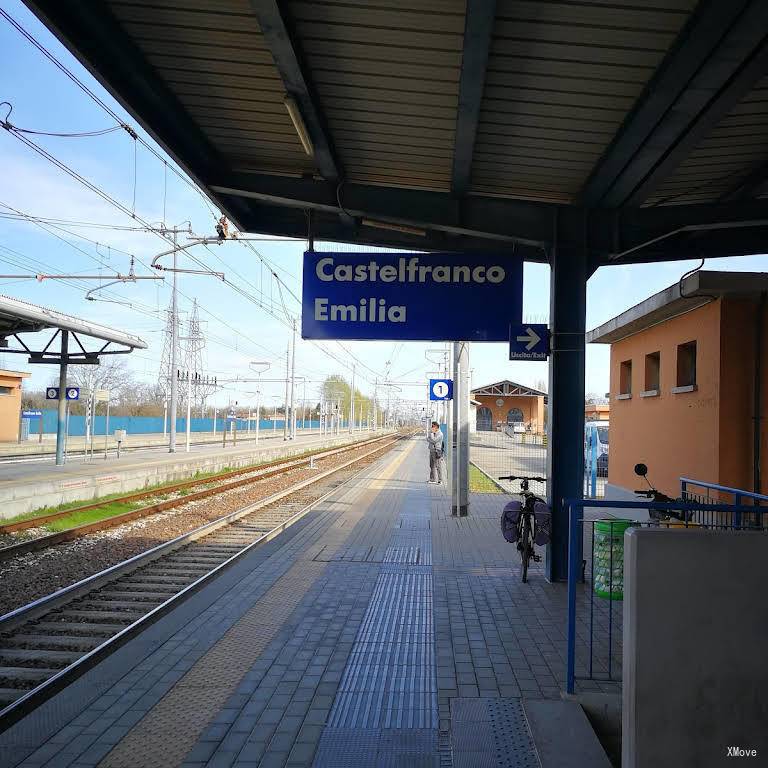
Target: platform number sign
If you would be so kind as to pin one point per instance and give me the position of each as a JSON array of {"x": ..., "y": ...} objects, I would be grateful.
[
  {"x": 440, "y": 389},
  {"x": 52, "y": 393},
  {"x": 73, "y": 393}
]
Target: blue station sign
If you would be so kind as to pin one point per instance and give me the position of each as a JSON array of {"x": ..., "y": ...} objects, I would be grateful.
[
  {"x": 414, "y": 297},
  {"x": 441, "y": 389},
  {"x": 528, "y": 342},
  {"x": 31, "y": 414}
]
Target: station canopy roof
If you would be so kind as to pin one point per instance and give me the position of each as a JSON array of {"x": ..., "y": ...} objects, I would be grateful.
[
  {"x": 693, "y": 291},
  {"x": 636, "y": 130},
  {"x": 18, "y": 317}
]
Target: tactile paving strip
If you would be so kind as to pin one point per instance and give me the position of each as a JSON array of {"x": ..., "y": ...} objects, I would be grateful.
[
  {"x": 385, "y": 712},
  {"x": 378, "y": 748},
  {"x": 512, "y": 735},
  {"x": 491, "y": 733},
  {"x": 408, "y": 555},
  {"x": 389, "y": 680}
]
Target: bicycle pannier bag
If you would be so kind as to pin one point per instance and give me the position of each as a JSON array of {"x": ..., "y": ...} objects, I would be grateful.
[
  {"x": 542, "y": 523},
  {"x": 510, "y": 519}
]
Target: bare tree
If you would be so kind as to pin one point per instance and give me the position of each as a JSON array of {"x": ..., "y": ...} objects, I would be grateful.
[
  {"x": 140, "y": 399},
  {"x": 112, "y": 373}
]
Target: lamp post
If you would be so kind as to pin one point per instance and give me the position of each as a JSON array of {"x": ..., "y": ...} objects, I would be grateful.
[{"x": 258, "y": 367}]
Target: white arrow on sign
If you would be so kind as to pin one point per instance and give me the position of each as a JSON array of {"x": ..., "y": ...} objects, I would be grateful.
[{"x": 531, "y": 337}]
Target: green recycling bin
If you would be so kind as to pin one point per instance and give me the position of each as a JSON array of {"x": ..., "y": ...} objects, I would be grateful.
[{"x": 608, "y": 563}]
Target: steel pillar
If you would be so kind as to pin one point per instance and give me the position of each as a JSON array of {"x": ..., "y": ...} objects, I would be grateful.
[
  {"x": 61, "y": 424},
  {"x": 565, "y": 428},
  {"x": 460, "y": 484},
  {"x": 174, "y": 383}
]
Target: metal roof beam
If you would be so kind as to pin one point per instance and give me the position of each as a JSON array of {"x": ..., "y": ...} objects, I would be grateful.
[
  {"x": 289, "y": 62},
  {"x": 478, "y": 32},
  {"x": 292, "y": 222},
  {"x": 752, "y": 185},
  {"x": 504, "y": 221},
  {"x": 476, "y": 222},
  {"x": 716, "y": 60}
]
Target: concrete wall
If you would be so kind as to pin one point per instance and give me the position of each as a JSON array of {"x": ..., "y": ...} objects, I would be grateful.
[
  {"x": 695, "y": 626},
  {"x": 674, "y": 434}
]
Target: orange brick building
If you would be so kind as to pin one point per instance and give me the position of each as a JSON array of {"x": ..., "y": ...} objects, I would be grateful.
[
  {"x": 10, "y": 404},
  {"x": 506, "y": 402},
  {"x": 597, "y": 411},
  {"x": 689, "y": 384}
]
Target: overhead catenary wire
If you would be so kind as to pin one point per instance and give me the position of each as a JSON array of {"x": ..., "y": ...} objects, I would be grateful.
[
  {"x": 120, "y": 124},
  {"x": 100, "y": 102}
]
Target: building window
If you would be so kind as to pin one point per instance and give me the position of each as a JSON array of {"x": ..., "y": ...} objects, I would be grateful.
[
  {"x": 686, "y": 366},
  {"x": 625, "y": 379},
  {"x": 6, "y": 390},
  {"x": 484, "y": 418},
  {"x": 514, "y": 415},
  {"x": 652, "y": 374}
]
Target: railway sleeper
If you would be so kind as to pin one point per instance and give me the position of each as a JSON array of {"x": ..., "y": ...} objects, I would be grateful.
[
  {"x": 85, "y": 615},
  {"x": 104, "y": 629},
  {"x": 137, "y": 595},
  {"x": 37, "y": 656},
  {"x": 16, "y": 677},
  {"x": 81, "y": 644},
  {"x": 127, "y": 606}
]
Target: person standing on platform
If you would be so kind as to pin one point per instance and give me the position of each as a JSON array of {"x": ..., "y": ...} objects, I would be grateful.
[{"x": 435, "y": 444}]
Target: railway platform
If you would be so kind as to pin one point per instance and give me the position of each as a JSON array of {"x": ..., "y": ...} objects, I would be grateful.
[
  {"x": 377, "y": 631},
  {"x": 28, "y": 486}
]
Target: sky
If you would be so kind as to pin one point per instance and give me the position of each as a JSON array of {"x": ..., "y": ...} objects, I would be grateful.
[{"x": 237, "y": 327}]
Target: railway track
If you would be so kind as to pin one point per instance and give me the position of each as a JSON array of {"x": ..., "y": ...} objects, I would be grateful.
[
  {"x": 218, "y": 483},
  {"x": 53, "y": 640},
  {"x": 242, "y": 438}
]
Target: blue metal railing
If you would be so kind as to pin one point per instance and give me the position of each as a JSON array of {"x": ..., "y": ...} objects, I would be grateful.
[
  {"x": 753, "y": 519},
  {"x": 708, "y": 515}
]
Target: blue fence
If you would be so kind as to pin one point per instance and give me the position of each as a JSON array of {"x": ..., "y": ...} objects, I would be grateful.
[
  {"x": 702, "y": 491},
  {"x": 136, "y": 425},
  {"x": 596, "y": 574}
]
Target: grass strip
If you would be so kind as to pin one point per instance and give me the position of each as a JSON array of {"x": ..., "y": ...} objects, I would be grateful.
[{"x": 479, "y": 482}]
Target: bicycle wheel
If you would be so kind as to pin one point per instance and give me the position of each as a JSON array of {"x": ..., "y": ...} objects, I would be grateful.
[{"x": 527, "y": 549}]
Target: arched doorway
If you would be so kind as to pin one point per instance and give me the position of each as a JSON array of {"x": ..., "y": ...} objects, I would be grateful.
[
  {"x": 484, "y": 419},
  {"x": 514, "y": 415}
]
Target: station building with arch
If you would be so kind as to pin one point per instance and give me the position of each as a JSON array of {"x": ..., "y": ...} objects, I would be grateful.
[{"x": 507, "y": 403}]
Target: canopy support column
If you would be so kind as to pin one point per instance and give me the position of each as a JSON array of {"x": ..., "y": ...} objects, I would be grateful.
[
  {"x": 571, "y": 269},
  {"x": 460, "y": 453}
]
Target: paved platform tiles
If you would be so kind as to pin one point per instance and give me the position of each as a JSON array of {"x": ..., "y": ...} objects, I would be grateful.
[{"x": 348, "y": 641}]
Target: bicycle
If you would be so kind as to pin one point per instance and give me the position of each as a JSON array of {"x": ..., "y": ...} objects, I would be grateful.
[
  {"x": 526, "y": 523},
  {"x": 660, "y": 517}
]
